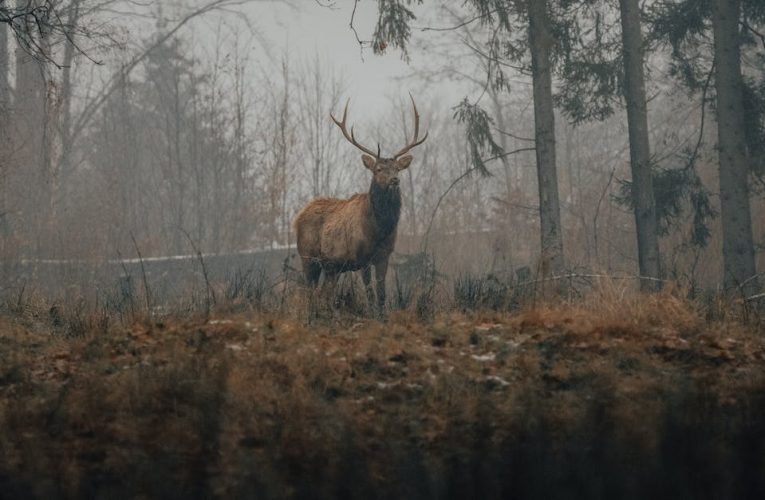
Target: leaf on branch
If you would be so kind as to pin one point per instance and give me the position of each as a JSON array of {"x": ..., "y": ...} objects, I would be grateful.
[
  {"x": 479, "y": 137},
  {"x": 393, "y": 27},
  {"x": 676, "y": 191}
]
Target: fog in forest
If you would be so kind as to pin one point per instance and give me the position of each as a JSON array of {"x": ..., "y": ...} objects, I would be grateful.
[
  {"x": 177, "y": 128},
  {"x": 382, "y": 249}
]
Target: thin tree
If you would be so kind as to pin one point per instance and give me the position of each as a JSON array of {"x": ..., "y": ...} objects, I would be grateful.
[
  {"x": 640, "y": 153},
  {"x": 532, "y": 17},
  {"x": 738, "y": 244},
  {"x": 540, "y": 44}
]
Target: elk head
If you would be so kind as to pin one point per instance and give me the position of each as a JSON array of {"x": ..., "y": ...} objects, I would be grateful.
[{"x": 384, "y": 170}]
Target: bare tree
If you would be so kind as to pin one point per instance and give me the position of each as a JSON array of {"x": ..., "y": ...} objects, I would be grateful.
[
  {"x": 278, "y": 162},
  {"x": 319, "y": 89}
]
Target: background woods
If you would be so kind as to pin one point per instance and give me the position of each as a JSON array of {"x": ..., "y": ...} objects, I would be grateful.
[
  {"x": 157, "y": 340},
  {"x": 565, "y": 136}
]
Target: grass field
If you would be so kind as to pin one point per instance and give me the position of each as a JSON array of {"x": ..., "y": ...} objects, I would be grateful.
[{"x": 613, "y": 395}]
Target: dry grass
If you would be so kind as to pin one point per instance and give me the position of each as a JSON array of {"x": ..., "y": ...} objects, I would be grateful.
[{"x": 617, "y": 395}]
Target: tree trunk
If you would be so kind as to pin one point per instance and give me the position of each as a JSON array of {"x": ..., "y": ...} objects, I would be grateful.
[
  {"x": 5, "y": 149},
  {"x": 540, "y": 41},
  {"x": 503, "y": 143},
  {"x": 29, "y": 185},
  {"x": 66, "y": 96},
  {"x": 5, "y": 96},
  {"x": 738, "y": 244},
  {"x": 640, "y": 154}
]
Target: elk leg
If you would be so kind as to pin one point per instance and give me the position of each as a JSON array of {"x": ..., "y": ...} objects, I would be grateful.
[
  {"x": 330, "y": 280},
  {"x": 381, "y": 269},
  {"x": 312, "y": 271},
  {"x": 366, "y": 276}
]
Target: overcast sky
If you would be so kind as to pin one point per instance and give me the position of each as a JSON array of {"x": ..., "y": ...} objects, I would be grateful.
[
  {"x": 304, "y": 29},
  {"x": 311, "y": 28}
]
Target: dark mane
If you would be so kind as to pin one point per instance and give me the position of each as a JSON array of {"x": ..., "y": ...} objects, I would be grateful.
[{"x": 386, "y": 207}]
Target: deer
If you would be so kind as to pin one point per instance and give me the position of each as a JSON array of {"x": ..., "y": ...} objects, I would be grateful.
[{"x": 356, "y": 234}]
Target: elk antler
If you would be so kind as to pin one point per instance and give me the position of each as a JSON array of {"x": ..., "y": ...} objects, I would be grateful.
[
  {"x": 414, "y": 142},
  {"x": 350, "y": 136}
]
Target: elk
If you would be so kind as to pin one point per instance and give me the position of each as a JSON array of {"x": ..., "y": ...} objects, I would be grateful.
[{"x": 356, "y": 234}]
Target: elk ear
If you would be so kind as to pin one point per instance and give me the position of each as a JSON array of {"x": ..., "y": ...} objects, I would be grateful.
[
  {"x": 369, "y": 162},
  {"x": 403, "y": 163}
]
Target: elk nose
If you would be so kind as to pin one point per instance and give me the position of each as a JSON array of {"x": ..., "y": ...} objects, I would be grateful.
[{"x": 394, "y": 181}]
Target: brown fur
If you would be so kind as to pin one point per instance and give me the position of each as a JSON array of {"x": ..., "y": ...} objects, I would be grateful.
[
  {"x": 341, "y": 234},
  {"x": 335, "y": 236}
]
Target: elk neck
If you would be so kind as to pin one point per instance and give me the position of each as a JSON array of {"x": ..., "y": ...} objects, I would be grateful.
[{"x": 386, "y": 207}]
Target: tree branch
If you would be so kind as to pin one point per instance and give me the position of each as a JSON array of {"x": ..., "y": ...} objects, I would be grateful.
[{"x": 453, "y": 184}]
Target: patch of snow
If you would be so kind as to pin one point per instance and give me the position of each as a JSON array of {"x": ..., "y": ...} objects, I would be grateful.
[
  {"x": 485, "y": 327},
  {"x": 499, "y": 380},
  {"x": 485, "y": 357},
  {"x": 256, "y": 251}
]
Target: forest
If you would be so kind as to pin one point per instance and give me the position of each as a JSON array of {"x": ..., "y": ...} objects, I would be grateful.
[{"x": 216, "y": 281}]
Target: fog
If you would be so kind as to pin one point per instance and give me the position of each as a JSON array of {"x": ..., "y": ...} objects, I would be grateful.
[
  {"x": 215, "y": 282},
  {"x": 183, "y": 128}
]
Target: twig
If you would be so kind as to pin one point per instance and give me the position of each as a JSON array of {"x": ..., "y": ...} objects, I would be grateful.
[
  {"x": 91, "y": 108},
  {"x": 210, "y": 291},
  {"x": 130, "y": 279},
  {"x": 20, "y": 300},
  {"x": 577, "y": 275},
  {"x": 356, "y": 33},
  {"x": 515, "y": 151},
  {"x": 143, "y": 273},
  {"x": 438, "y": 204},
  {"x": 695, "y": 155},
  {"x": 597, "y": 209},
  {"x": 457, "y": 26},
  {"x": 502, "y": 132},
  {"x": 756, "y": 33},
  {"x": 457, "y": 181}
]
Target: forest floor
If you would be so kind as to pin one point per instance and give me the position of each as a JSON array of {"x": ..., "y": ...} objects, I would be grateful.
[{"x": 612, "y": 398}]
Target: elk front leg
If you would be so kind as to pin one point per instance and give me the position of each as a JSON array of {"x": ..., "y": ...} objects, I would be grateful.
[
  {"x": 366, "y": 276},
  {"x": 312, "y": 271},
  {"x": 381, "y": 269}
]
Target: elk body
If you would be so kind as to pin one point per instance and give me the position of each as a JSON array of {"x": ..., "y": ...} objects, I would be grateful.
[{"x": 359, "y": 233}]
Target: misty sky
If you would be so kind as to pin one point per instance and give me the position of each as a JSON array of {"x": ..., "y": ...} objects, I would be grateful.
[{"x": 313, "y": 29}]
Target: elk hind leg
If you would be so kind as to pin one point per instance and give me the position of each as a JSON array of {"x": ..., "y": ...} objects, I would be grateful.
[
  {"x": 312, "y": 272},
  {"x": 366, "y": 276},
  {"x": 328, "y": 288}
]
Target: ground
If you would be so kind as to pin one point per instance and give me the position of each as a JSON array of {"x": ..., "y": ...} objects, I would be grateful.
[{"x": 602, "y": 398}]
